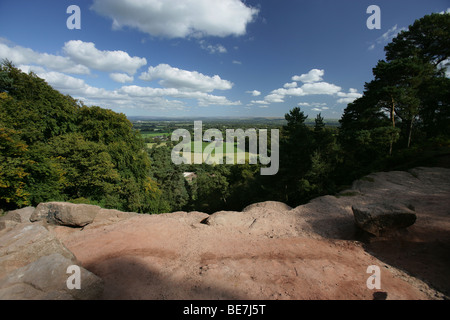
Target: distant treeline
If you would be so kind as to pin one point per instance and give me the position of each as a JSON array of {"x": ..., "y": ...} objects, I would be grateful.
[{"x": 54, "y": 148}]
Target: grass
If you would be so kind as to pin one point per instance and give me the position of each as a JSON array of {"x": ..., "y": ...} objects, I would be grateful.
[{"x": 154, "y": 134}]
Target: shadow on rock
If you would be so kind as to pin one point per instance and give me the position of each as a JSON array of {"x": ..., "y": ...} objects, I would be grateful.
[{"x": 130, "y": 278}]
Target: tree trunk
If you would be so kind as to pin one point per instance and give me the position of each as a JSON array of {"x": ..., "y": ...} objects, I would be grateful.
[
  {"x": 410, "y": 131},
  {"x": 393, "y": 125}
]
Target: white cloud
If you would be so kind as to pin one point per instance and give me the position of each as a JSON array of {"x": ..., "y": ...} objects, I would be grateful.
[
  {"x": 25, "y": 56},
  {"x": 121, "y": 77},
  {"x": 203, "y": 98},
  {"x": 320, "y": 88},
  {"x": 314, "y": 75},
  {"x": 87, "y": 54},
  {"x": 313, "y": 85},
  {"x": 184, "y": 85},
  {"x": 274, "y": 98},
  {"x": 387, "y": 37},
  {"x": 182, "y": 79},
  {"x": 179, "y": 18},
  {"x": 236, "y": 62},
  {"x": 444, "y": 12},
  {"x": 130, "y": 96},
  {"x": 218, "y": 48},
  {"x": 290, "y": 85},
  {"x": 319, "y": 107},
  {"x": 349, "y": 97},
  {"x": 254, "y": 93},
  {"x": 259, "y": 102},
  {"x": 445, "y": 65}
]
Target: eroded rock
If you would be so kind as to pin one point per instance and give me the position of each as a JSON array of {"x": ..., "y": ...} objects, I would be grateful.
[
  {"x": 379, "y": 218},
  {"x": 65, "y": 214}
]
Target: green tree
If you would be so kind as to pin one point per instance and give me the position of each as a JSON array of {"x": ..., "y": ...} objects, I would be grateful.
[{"x": 12, "y": 169}]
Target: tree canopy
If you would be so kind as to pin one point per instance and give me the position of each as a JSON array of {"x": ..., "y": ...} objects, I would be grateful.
[{"x": 55, "y": 148}]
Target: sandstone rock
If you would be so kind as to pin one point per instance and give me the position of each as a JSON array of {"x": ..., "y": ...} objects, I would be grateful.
[
  {"x": 24, "y": 244},
  {"x": 109, "y": 216},
  {"x": 272, "y": 205},
  {"x": 66, "y": 214},
  {"x": 189, "y": 218},
  {"x": 47, "y": 278},
  {"x": 21, "y": 215},
  {"x": 378, "y": 218},
  {"x": 233, "y": 219}
]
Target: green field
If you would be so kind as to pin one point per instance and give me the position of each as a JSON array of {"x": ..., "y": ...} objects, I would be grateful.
[
  {"x": 154, "y": 134},
  {"x": 236, "y": 149}
]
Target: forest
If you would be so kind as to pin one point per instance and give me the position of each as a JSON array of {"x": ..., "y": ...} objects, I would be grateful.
[{"x": 55, "y": 148}]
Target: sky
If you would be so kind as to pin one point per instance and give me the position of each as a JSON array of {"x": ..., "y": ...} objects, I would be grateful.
[{"x": 206, "y": 58}]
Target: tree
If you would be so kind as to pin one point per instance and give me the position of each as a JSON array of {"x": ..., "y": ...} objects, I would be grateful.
[
  {"x": 169, "y": 177},
  {"x": 55, "y": 148},
  {"x": 12, "y": 170},
  {"x": 427, "y": 38},
  {"x": 397, "y": 86},
  {"x": 406, "y": 103}
]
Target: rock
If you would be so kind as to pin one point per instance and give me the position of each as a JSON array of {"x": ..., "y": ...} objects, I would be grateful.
[
  {"x": 65, "y": 214},
  {"x": 272, "y": 205},
  {"x": 46, "y": 279},
  {"x": 24, "y": 244},
  {"x": 378, "y": 218},
  {"x": 232, "y": 219},
  {"x": 20, "y": 216}
]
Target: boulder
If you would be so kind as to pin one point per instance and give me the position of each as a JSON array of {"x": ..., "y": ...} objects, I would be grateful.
[
  {"x": 65, "y": 214},
  {"x": 272, "y": 205},
  {"x": 379, "y": 218},
  {"x": 46, "y": 279},
  {"x": 232, "y": 219},
  {"x": 24, "y": 244},
  {"x": 20, "y": 215}
]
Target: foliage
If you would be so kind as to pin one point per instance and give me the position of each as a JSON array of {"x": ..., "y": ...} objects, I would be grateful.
[{"x": 55, "y": 148}]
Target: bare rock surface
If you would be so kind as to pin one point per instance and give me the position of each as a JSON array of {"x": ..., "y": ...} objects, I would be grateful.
[
  {"x": 65, "y": 214},
  {"x": 268, "y": 250},
  {"x": 380, "y": 218},
  {"x": 33, "y": 265}
]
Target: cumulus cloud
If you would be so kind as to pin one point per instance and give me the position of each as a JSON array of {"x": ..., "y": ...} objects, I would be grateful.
[
  {"x": 121, "y": 77},
  {"x": 85, "y": 53},
  {"x": 314, "y": 75},
  {"x": 179, "y": 18},
  {"x": 320, "y": 88},
  {"x": 131, "y": 96},
  {"x": 25, "y": 56},
  {"x": 191, "y": 86},
  {"x": 290, "y": 85},
  {"x": 182, "y": 79},
  {"x": 254, "y": 93},
  {"x": 349, "y": 97},
  {"x": 312, "y": 85},
  {"x": 203, "y": 98},
  {"x": 259, "y": 102}
]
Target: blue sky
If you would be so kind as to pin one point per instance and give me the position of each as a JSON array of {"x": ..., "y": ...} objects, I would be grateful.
[{"x": 196, "y": 58}]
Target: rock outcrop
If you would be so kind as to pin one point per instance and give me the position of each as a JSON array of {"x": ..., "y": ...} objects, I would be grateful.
[
  {"x": 33, "y": 265},
  {"x": 65, "y": 214},
  {"x": 381, "y": 218},
  {"x": 266, "y": 251}
]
